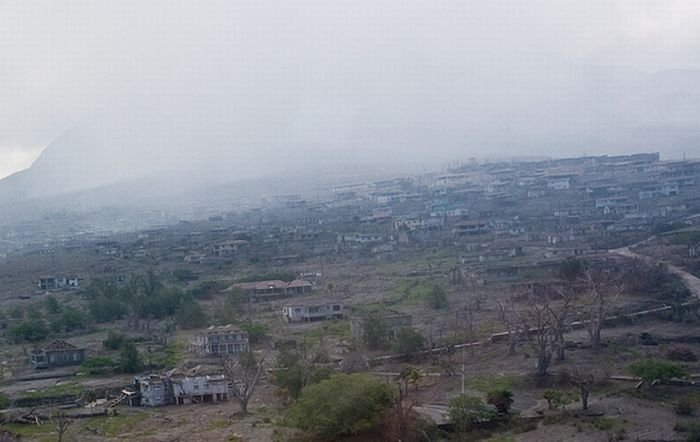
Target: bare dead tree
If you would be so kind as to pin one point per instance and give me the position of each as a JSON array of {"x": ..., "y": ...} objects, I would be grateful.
[
  {"x": 243, "y": 372},
  {"x": 560, "y": 310},
  {"x": 598, "y": 298},
  {"x": 508, "y": 316},
  {"x": 584, "y": 380},
  {"x": 61, "y": 423},
  {"x": 537, "y": 323}
]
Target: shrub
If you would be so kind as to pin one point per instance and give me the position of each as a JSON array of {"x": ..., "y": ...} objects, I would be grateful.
[
  {"x": 31, "y": 330},
  {"x": 130, "y": 359},
  {"x": 4, "y": 402},
  {"x": 681, "y": 353},
  {"x": 191, "y": 315},
  {"x": 556, "y": 398},
  {"x": 469, "y": 412},
  {"x": 501, "y": 399},
  {"x": 436, "y": 298},
  {"x": 114, "y": 341},
  {"x": 650, "y": 370},
  {"x": 341, "y": 405},
  {"x": 98, "y": 365},
  {"x": 408, "y": 341},
  {"x": 185, "y": 275}
]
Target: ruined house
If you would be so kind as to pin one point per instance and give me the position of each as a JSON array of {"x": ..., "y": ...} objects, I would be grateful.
[
  {"x": 57, "y": 353},
  {"x": 54, "y": 283},
  {"x": 393, "y": 321},
  {"x": 175, "y": 388},
  {"x": 220, "y": 340}
]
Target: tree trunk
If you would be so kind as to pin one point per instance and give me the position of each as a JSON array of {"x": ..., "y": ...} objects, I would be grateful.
[
  {"x": 560, "y": 348},
  {"x": 543, "y": 361},
  {"x": 511, "y": 344},
  {"x": 595, "y": 337},
  {"x": 584, "y": 398}
]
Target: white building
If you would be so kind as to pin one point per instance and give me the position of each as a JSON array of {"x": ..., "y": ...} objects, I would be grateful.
[{"x": 305, "y": 312}]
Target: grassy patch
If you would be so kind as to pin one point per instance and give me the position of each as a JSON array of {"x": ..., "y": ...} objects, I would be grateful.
[
  {"x": 487, "y": 382},
  {"x": 62, "y": 389},
  {"x": 605, "y": 423},
  {"x": 338, "y": 328},
  {"x": 168, "y": 357},
  {"x": 116, "y": 425},
  {"x": 219, "y": 424},
  {"x": 41, "y": 433}
]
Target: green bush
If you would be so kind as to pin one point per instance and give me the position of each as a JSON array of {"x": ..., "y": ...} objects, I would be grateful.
[
  {"x": 99, "y": 365},
  {"x": 436, "y": 298},
  {"x": 191, "y": 315},
  {"x": 650, "y": 370},
  {"x": 130, "y": 359},
  {"x": 31, "y": 330},
  {"x": 114, "y": 341},
  {"x": 185, "y": 275},
  {"x": 408, "y": 341},
  {"x": 468, "y": 412},
  {"x": 341, "y": 405},
  {"x": 556, "y": 398},
  {"x": 501, "y": 399},
  {"x": 4, "y": 401}
]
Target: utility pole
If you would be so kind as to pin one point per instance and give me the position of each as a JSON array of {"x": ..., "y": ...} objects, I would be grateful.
[{"x": 463, "y": 367}]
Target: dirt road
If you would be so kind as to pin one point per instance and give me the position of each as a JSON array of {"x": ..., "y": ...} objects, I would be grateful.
[{"x": 691, "y": 281}]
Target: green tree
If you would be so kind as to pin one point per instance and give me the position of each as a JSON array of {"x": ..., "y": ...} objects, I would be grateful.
[
  {"x": 300, "y": 366},
  {"x": 114, "y": 341},
  {"x": 408, "y": 341},
  {"x": 69, "y": 320},
  {"x": 652, "y": 370},
  {"x": 30, "y": 330},
  {"x": 191, "y": 315},
  {"x": 103, "y": 309},
  {"x": 469, "y": 412},
  {"x": 130, "y": 359},
  {"x": 52, "y": 305},
  {"x": 341, "y": 405},
  {"x": 374, "y": 331},
  {"x": 436, "y": 298},
  {"x": 256, "y": 332}
]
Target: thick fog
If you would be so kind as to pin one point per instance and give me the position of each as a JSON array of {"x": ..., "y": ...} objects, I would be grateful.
[{"x": 220, "y": 90}]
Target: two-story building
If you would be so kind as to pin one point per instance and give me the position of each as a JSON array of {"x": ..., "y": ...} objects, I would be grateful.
[{"x": 219, "y": 341}]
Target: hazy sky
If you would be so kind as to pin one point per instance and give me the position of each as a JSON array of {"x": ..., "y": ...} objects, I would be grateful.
[{"x": 260, "y": 78}]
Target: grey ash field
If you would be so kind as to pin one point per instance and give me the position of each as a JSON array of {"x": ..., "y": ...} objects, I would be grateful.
[{"x": 573, "y": 283}]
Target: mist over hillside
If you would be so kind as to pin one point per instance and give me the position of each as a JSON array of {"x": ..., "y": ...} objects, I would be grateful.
[{"x": 384, "y": 122}]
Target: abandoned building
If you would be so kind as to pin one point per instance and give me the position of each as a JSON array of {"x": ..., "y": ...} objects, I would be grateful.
[
  {"x": 53, "y": 283},
  {"x": 220, "y": 340},
  {"x": 57, "y": 353},
  {"x": 393, "y": 321},
  {"x": 174, "y": 388},
  {"x": 275, "y": 289},
  {"x": 313, "y": 311}
]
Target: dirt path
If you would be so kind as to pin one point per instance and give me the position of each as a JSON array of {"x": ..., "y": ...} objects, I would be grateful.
[{"x": 691, "y": 281}]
